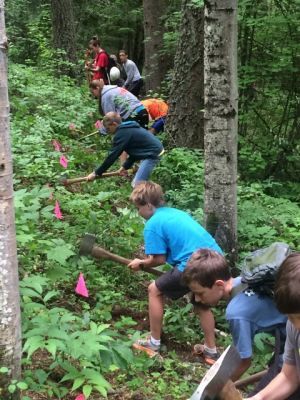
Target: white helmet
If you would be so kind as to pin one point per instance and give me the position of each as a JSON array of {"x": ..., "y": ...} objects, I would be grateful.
[{"x": 114, "y": 74}]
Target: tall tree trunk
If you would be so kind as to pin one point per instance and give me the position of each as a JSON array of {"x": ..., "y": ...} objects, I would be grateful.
[
  {"x": 10, "y": 331},
  {"x": 220, "y": 122},
  {"x": 185, "y": 119},
  {"x": 64, "y": 34},
  {"x": 156, "y": 65}
]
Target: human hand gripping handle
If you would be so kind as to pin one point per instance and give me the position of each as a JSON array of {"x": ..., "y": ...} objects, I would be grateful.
[
  {"x": 91, "y": 176},
  {"x": 136, "y": 265},
  {"x": 122, "y": 171}
]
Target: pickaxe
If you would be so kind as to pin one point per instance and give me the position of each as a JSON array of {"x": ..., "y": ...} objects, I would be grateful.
[
  {"x": 216, "y": 384},
  {"x": 88, "y": 247}
]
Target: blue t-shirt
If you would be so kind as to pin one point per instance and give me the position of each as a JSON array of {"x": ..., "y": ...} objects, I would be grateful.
[
  {"x": 177, "y": 235},
  {"x": 248, "y": 315}
]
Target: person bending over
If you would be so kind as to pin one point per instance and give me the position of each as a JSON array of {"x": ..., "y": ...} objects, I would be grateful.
[
  {"x": 208, "y": 276},
  {"x": 157, "y": 110},
  {"x": 129, "y": 137},
  {"x": 121, "y": 101},
  {"x": 171, "y": 236}
]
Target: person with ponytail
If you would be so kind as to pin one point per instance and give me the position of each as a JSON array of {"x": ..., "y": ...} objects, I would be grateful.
[{"x": 101, "y": 61}]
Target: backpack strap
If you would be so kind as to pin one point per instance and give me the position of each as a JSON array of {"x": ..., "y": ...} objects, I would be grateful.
[{"x": 238, "y": 289}]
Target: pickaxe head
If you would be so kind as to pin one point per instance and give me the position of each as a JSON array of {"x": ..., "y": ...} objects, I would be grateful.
[
  {"x": 218, "y": 375},
  {"x": 63, "y": 180},
  {"x": 87, "y": 244}
]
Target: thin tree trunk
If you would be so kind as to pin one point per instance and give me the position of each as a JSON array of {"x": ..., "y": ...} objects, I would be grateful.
[
  {"x": 156, "y": 65},
  {"x": 220, "y": 122},
  {"x": 10, "y": 331},
  {"x": 186, "y": 101}
]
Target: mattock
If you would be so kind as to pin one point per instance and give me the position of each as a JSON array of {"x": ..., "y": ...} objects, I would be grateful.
[
  {"x": 216, "y": 383},
  {"x": 88, "y": 247}
]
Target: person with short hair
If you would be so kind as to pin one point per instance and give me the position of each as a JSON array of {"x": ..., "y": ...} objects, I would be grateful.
[
  {"x": 136, "y": 141},
  {"x": 134, "y": 81},
  {"x": 287, "y": 298},
  {"x": 100, "y": 63},
  {"x": 208, "y": 276},
  {"x": 119, "y": 100},
  {"x": 157, "y": 110},
  {"x": 171, "y": 236}
]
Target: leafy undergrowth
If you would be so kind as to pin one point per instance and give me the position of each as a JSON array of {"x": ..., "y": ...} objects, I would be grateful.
[{"x": 75, "y": 345}]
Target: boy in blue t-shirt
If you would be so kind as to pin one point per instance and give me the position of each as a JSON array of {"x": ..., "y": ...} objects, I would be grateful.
[
  {"x": 170, "y": 236},
  {"x": 208, "y": 276}
]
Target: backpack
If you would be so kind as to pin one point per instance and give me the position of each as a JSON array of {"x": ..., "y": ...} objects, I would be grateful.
[
  {"x": 259, "y": 268},
  {"x": 111, "y": 63}
]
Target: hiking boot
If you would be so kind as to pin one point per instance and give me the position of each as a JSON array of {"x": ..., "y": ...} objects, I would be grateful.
[{"x": 208, "y": 358}]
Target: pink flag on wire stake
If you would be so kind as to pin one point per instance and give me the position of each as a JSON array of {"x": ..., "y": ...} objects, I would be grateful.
[
  {"x": 80, "y": 397},
  {"x": 57, "y": 211},
  {"x": 51, "y": 193},
  {"x": 63, "y": 161},
  {"x": 56, "y": 145},
  {"x": 81, "y": 287}
]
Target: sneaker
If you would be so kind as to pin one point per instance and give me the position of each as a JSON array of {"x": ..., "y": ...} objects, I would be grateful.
[
  {"x": 147, "y": 346},
  {"x": 208, "y": 358}
]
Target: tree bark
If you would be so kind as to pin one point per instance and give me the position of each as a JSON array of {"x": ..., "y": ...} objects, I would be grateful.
[
  {"x": 220, "y": 122},
  {"x": 156, "y": 65},
  {"x": 64, "y": 33},
  {"x": 185, "y": 120},
  {"x": 10, "y": 331}
]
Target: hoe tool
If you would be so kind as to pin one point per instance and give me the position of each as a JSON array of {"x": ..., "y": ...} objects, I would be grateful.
[
  {"x": 216, "y": 384},
  {"x": 89, "y": 248}
]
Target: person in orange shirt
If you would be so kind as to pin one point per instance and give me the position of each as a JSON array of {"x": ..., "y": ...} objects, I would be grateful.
[{"x": 157, "y": 110}]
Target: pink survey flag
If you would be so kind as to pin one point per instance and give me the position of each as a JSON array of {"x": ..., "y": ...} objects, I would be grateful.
[
  {"x": 63, "y": 161},
  {"x": 80, "y": 397},
  {"x": 57, "y": 211},
  {"x": 81, "y": 287},
  {"x": 56, "y": 145},
  {"x": 98, "y": 124}
]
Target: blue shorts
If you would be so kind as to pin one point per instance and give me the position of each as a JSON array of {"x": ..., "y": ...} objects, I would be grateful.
[{"x": 158, "y": 124}]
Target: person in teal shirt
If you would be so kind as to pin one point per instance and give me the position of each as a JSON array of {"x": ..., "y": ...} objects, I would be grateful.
[{"x": 171, "y": 236}]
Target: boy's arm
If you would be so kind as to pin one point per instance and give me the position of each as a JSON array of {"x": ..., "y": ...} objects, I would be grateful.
[
  {"x": 149, "y": 262},
  {"x": 119, "y": 144},
  {"x": 285, "y": 384},
  {"x": 128, "y": 163},
  {"x": 130, "y": 74}
]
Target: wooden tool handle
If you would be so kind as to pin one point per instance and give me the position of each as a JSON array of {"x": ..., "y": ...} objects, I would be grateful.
[
  {"x": 249, "y": 380},
  {"x": 230, "y": 392},
  {"x": 99, "y": 252},
  {"x": 83, "y": 178},
  {"x": 74, "y": 180}
]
